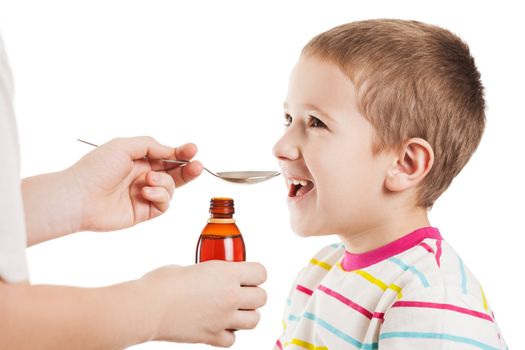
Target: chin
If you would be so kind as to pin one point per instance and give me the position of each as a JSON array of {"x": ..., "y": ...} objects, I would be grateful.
[{"x": 303, "y": 229}]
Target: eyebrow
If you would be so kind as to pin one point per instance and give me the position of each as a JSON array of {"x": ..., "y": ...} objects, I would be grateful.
[{"x": 312, "y": 107}]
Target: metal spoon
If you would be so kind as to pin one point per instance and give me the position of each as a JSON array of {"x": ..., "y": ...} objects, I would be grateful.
[{"x": 242, "y": 177}]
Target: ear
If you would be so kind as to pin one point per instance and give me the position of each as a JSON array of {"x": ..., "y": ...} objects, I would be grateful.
[{"x": 412, "y": 164}]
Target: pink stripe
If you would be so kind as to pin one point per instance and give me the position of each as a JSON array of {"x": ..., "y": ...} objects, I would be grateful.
[
  {"x": 304, "y": 289},
  {"x": 353, "y": 261},
  {"x": 443, "y": 307},
  {"x": 279, "y": 345},
  {"x": 438, "y": 253},
  {"x": 427, "y": 247},
  {"x": 379, "y": 315},
  {"x": 430, "y": 250},
  {"x": 346, "y": 301}
]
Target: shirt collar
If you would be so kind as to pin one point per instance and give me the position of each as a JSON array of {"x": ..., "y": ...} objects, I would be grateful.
[{"x": 353, "y": 262}]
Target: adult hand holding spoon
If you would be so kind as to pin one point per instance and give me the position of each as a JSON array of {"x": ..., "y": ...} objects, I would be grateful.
[
  {"x": 245, "y": 177},
  {"x": 120, "y": 190}
]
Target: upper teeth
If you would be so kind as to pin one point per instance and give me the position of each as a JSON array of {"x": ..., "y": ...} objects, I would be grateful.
[{"x": 297, "y": 182}]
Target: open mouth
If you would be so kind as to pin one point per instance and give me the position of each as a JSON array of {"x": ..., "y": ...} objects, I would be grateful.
[{"x": 298, "y": 188}]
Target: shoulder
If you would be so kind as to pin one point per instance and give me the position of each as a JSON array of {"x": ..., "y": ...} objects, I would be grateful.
[
  {"x": 441, "y": 301},
  {"x": 329, "y": 254},
  {"x": 320, "y": 265},
  {"x": 433, "y": 264}
]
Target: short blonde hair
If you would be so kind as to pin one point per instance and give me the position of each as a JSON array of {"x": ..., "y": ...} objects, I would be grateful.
[{"x": 412, "y": 80}]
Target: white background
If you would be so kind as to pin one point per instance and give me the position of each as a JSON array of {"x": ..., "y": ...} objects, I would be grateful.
[{"x": 215, "y": 73}]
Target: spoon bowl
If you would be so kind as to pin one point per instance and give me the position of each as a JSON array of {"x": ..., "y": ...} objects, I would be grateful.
[
  {"x": 247, "y": 177},
  {"x": 240, "y": 177}
]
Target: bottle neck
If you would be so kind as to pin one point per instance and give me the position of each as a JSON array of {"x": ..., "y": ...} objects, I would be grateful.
[
  {"x": 213, "y": 220},
  {"x": 221, "y": 218},
  {"x": 221, "y": 210}
]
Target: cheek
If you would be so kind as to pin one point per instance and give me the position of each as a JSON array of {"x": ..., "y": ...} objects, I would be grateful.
[
  {"x": 338, "y": 172},
  {"x": 346, "y": 184}
]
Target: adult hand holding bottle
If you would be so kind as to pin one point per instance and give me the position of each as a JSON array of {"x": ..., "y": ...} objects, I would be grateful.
[
  {"x": 220, "y": 297},
  {"x": 114, "y": 187}
]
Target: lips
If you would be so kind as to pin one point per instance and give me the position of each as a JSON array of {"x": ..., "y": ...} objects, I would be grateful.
[{"x": 299, "y": 187}]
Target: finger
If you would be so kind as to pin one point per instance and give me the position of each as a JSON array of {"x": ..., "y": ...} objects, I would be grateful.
[
  {"x": 224, "y": 339},
  {"x": 251, "y": 298},
  {"x": 142, "y": 146},
  {"x": 245, "y": 319},
  {"x": 251, "y": 273},
  {"x": 158, "y": 196},
  {"x": 158, "y": 179},
  {"x": 186, "y": 151},
  {"x": 187, "y": 173}
]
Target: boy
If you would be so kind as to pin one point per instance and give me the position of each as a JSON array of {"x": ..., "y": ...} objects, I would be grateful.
[{"x": 381, "y": 115}]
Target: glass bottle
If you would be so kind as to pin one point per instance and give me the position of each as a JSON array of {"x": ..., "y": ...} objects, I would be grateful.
[{"x": 221, "y": 239}]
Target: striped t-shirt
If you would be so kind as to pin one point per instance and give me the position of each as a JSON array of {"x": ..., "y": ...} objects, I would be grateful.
[{"x": 413, "y": 293}]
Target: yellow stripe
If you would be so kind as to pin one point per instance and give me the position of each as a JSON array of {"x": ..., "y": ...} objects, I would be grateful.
[
  {"x": 322, "y": 264},
  {"x": 397, "y": 289},
  {"x": 371, "y": 279},
  {"x": 304, "y": 344},
  {"x": 485, "y": 305},
  {"x": 376, "y": 281},
  {"x": 284, "y": 324}
]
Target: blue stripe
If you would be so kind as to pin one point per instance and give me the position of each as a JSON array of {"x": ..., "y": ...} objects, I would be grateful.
[
  {"x": 463, "y": 276},
  {"x": 289, "y": 302},
  {"x": 442, "y": 336},
  {"x": 412, "y": 269},
  {"x": 339, "y": 333},
  {"x": 293, "y": 318}
]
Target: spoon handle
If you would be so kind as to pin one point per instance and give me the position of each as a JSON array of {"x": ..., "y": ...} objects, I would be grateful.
[
  {"x": 175, "y": 161},
  {"x": 182, "y": 162},
  {"x": 162, "y": 160},
  {"x": 185, "y": 162}
]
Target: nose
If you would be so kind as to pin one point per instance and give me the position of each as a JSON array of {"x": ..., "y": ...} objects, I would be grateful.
[{"x": 287, "y": 147}]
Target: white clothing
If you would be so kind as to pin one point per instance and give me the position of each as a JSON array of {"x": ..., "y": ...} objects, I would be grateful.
[{"x": 13, "y": 265}]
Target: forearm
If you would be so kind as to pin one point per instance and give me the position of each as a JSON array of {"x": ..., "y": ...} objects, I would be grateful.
[
  {"x": 52, "y": 208},
  {"x": 56, "y": 317}
]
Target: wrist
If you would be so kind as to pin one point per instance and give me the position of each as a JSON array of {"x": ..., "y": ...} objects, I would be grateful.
[
  {"x": 146, "y": 303},
  {"x": 51, "y": 206},
  {"x": 74, "y": 196}
]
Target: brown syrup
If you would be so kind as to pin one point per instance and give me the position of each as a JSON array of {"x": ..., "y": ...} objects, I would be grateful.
[{"x": 221, "y": 239}]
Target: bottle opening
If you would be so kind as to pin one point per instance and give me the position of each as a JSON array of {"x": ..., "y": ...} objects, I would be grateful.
[{"x": 222, "y": 205}]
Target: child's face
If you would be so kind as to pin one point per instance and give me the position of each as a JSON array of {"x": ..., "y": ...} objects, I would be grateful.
[{"x": 328, "y": 146}]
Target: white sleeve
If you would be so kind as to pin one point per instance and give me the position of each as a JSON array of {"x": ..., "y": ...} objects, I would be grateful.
[{"x": 13, "y": 265}]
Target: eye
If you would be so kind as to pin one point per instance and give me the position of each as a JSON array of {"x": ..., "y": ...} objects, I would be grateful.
[
  {"x": 287, "y": 120},
  {"x": 316, "y": 123}
]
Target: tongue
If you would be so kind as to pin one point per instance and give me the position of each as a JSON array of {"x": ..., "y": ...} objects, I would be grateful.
[
  {"x": 293, "y": 190},
  {"x": 304, "y": 189}
]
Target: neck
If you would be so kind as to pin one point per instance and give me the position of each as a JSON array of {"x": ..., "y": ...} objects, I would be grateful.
[{"x": 395, "y": 226}]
